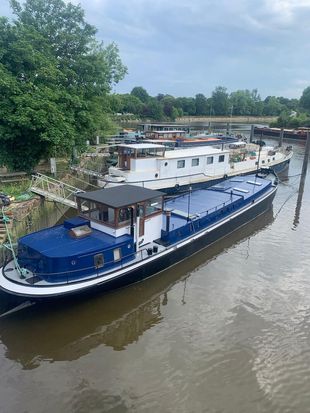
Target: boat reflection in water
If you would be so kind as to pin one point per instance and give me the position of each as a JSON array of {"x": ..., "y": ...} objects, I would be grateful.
[{"x": 66, "y": 331}]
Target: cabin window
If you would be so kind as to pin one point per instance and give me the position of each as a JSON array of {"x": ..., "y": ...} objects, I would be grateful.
[
  {"x": 263, "y": 161},
  {"x": 273, "y": 158},
  {"x": 195, "y": 161},
  {"x": 166, "y": 163},
  {"x": 153, "y": 205},
  {"x": 140, "y": 210},
  {"x": 209, "y": 160},
  {"x": 181, "y": 163},
  {"x": 221, "y": 158},
  {"x": 96, "y": 212},
  {"x": 98, "y": 261},
  {"x": 256, "y": 163},
  {"x": 117, "y": 254},
  {"x": 123, "y": 215},
  {"x": 268, "y": 160}
]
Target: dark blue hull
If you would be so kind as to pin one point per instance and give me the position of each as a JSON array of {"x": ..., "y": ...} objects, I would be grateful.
[{"x": 162, "y": 263}]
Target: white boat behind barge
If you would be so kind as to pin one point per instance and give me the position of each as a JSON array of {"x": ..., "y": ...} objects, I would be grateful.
[{"x": 155, "y": 167}]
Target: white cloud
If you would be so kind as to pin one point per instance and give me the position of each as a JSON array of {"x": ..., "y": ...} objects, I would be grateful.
[{"x": 186, "y": 46}]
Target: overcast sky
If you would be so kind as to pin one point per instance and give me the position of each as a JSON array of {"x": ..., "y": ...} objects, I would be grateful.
[{"x": 184, "y": 47}]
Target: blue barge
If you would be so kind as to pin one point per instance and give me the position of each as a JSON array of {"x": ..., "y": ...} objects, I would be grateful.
[{"x": 127, "y": 233}]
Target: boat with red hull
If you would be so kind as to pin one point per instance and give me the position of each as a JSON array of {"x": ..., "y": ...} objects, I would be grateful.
[{"x": 300, "y": 133}]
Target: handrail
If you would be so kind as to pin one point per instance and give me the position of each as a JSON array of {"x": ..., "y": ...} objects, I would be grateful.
[
  {"x": 54, "y": 189},
  {"x": 121, "y": 264},
  {"x": 46, "y": 178}
]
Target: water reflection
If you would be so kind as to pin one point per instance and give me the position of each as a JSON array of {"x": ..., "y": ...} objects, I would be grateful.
[{"x": 70, "y": 330}]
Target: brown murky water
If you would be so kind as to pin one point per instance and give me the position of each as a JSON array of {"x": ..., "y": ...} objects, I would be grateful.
[{"x": 226, "y": 331}]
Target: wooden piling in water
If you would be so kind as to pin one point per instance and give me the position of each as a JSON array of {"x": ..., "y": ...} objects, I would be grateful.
[
  {"x": 281, "y": 137},
  {"x": 306, "y": 156},
  {"x": 302, "y": 181},
  {"x": 252, "y": 133}
]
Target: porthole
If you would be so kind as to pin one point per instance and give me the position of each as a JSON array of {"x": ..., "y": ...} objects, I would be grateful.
[
  {"x": 166, "y": 163},
  {"x": 156, "y": 175}
]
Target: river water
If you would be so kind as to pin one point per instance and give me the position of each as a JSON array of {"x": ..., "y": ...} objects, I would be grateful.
[{"x": 227, "y": 331}]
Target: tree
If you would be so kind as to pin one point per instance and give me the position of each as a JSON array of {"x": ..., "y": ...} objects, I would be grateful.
[
  {"x": 220, "y": 102},
  {"x": 140, "y": 93},
  {"x": 201, "y": 103},
  {"x": 244, "y": 101},
  {"x": 305, "y": 99},
  {"x": 272, "y": 106},
  {"x": 54, "y": 82},
  {"x": 153, "y": 109},
  {"x": 131, "y": 104},
  {"x": 168, "y": 103},
  {"x": 187, "y": 105}
]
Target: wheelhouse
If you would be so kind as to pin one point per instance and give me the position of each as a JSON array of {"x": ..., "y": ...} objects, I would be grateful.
[
  {"x": 128, "y": 154},
  {"x": 121, "y": 211}
]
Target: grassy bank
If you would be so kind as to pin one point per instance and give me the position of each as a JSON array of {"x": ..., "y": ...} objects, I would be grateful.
[{"x": 17, "y": 189}]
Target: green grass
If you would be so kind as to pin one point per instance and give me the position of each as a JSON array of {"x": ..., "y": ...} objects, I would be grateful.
[{"x": 16, "y": 189}]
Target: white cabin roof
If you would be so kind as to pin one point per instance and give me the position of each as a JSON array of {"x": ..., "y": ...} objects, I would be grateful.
[
  {"x": 167, "y": 131},
  {"x": 142, "y": 146},
  {"x": 160, "y": 141},
  {"x": 195, "y": 151},
  {"x": 238, "y": 144}
]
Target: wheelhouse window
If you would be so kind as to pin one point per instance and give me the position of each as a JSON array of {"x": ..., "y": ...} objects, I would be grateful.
[
  {"x": 181, "y": 163},
  {"x": 153, "y": 206},
  {"x": 123, "y": 215},
  {"x": 96, "y": 212},
  {"x": 195, "y": 161},
  {"x": 221, "y": 158},
  {"x": 209, "y": 160}
]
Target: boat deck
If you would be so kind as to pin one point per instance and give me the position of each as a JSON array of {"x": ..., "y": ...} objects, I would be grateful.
[
  {"x": 47, "y": 242},
  {"x": 31, "y": 279},
  {"x": 212, "y": 203},
  {"x": 203, "y": 202}
]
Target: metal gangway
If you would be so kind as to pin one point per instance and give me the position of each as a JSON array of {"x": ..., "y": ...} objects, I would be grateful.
[
  {"x": 88, "y": 172},
  {"x": 54, "y": 190}
]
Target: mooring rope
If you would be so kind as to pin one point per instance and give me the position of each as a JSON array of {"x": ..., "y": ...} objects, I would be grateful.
[{"x": 22, "y": 272}]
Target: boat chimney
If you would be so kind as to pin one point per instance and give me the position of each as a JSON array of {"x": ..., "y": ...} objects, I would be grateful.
[
  {"x": 132, "y": 226},
  {"x": 168, "y": 216}
]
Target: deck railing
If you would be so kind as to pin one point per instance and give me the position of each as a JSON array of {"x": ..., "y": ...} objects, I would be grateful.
[{"x": 67, "y": 276}]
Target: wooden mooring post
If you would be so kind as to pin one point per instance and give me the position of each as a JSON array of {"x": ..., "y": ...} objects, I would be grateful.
[
  {"x": 252, "y": 134},
  {"x": 302, "y": 181},
  {"x": 281, "y": 137}
]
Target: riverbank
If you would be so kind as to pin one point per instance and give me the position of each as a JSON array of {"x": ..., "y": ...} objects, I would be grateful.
[
  {"x": 227, "y": 119},
  {"x": 264, "y": 120}
]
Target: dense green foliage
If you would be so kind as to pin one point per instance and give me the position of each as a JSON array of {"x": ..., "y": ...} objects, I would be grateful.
[
  {"x": 55, "y": 80},
  {"x": 291, "y": 112}
]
